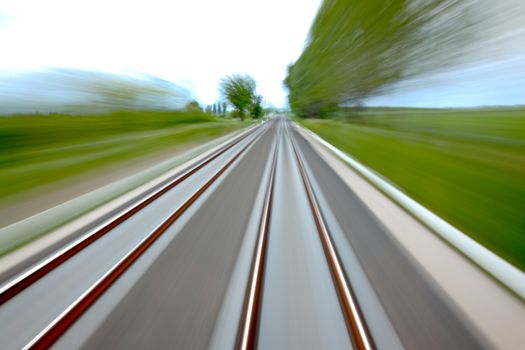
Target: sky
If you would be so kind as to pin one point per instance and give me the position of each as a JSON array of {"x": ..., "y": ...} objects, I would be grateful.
[
  {"x": 492, "y": 72},
  {"x": 194, "y": 43}
]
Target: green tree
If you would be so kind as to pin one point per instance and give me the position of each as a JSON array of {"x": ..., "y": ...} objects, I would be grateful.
[
  {"x": 360, "y": 48},
  {"x": 256, "y": 109},
  {"x": 239, "y": 90},
  {"x": 193, "y": 106}
]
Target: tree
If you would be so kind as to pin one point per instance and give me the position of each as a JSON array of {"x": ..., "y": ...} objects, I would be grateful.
[
  {"x": 360, "y": 48},
  {"x": 193, "y": 106},
  {"x": 256, "y": 107},
  {"x": 239, "y": 90},
  {"x": 224, "y": 108},
  {"x": 220, "y": 110}
]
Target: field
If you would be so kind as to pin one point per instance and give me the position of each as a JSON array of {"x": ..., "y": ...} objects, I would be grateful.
[
  {"x": 467, "y": 166},
  {"x": 39, "y": 150}
]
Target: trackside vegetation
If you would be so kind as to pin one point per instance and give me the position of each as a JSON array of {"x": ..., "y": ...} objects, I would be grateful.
[
  {"x": 38, "y": 150},
  {"x": 467, "y": 166},
  {"x": 240, "y": 91},
  {"x": 360, "y": 48}
]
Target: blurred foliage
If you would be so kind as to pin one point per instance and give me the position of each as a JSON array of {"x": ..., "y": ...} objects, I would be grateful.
[
  {"x": 218, "y": 108},
  {"x": 73, "y": 91},
  {"x": 30, "y": 131},
  {"x": 467, "y": 165},
  {"x": 358, "y": 48},
  {"x": 256, "y": 109},
  {"x": 193, "y": 107},
  {"x": 39, "y": 149},
  {"x": 239, "y": 90}
]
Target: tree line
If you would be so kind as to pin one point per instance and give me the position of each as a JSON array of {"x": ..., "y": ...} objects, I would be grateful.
[
  {"x": 360, "y": 48},
  {"x": 218, "y": 108},
  {"x": 239, "y": 92}
]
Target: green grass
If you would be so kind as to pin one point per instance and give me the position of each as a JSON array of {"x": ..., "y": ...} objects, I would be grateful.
[
  {"x": 39, "y": 150},
  {"x": 467, "y": 166}
]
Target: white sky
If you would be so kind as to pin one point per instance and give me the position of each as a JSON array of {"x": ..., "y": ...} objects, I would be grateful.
[
  {"x": 190, "y": 42},
  {"x": 195, "y": 43}
]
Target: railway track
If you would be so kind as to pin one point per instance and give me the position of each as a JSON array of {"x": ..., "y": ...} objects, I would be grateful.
[
  {"x": 248, "y": 327},
  {"x": 27, "y": 278},
  {"x": 245, "y": 249},
  {"x": 54, "y": 330},
  {"x": 353, "y": 314},
  {"x": 247, "y": 334}
]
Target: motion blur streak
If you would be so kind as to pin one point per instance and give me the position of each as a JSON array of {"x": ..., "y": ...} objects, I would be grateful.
[
  {"x": 76, "y": 91},
  {"x": 54, "y": 331},
  {"x": 360, "y": 49},
  {"x": 357, "y": 48},
  {"x": 353, "y": 314}
]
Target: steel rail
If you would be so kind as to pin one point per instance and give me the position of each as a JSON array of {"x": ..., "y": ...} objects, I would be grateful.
[
  {"x": 247, "y": 332},
  {"x": 35, "y": 273},
  {"x": 48, "y": 336},
  {"x": 355, "y": 321}
]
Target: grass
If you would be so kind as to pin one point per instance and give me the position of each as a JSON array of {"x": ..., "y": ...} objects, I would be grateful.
[
  {"x": 467, "y": 166},
  {"x": 37, "y": 150}
]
